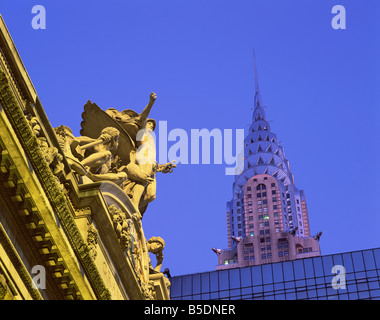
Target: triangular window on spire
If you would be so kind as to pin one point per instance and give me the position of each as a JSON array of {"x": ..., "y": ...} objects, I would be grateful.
[
  {"x": 275, "y": 174},
  {"x": 273, "y": 140},
  {"x": 271, "y": 161},
  {"x": 260, "y": 161},
  {"x": 277, "y": 152},
  {"x": 251, "y": 140},
  {"x": 259, "y": 149},
  {"x": 250, "y": 152},
  {"x": 269, "y": 149},
  {"x": 267, "y": 138},
  {"x": 266, "y": 171},
  {"x": 265, "y": 128},
  {"x": 259, "y": 138},
  {"x": 259, "y": 128}
]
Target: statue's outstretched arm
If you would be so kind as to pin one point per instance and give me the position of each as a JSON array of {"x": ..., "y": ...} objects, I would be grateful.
[{"x": 145, "y": 113}]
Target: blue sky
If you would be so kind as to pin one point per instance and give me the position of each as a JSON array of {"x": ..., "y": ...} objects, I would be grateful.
[{"x": 320, "y": 87}]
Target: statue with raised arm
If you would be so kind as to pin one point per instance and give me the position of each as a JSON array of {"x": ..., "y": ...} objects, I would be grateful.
[{"x": 136, "y": 151}]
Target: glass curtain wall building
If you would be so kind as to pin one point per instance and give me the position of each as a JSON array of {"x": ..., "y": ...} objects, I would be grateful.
[{"x": 309, "y": 279}]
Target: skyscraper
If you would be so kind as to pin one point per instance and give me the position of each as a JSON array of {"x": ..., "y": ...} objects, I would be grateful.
[{"x": 267, "y": 218}]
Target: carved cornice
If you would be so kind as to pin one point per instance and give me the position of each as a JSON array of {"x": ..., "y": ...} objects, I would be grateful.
[
  {"x": 18, "y": 264},
  {"x": 50, "y": 185}
]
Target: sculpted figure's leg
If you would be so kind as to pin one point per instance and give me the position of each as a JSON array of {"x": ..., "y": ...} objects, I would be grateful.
[
  {"x": 150, "y": 193},
  {"x": 138, "y": 190}
]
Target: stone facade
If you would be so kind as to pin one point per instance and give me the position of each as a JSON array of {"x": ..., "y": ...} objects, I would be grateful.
[{"x": 61, "y": 236}]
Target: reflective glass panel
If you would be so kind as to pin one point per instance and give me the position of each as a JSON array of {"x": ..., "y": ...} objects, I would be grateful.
[
  {"x": 318, "y": 270},
  {"x": 327, "y": 264},
  {"x": 347, "y": 262},
  {"x": 309, "y": 270},
  {"x": 299, "y": 271},
  {"x": 376, "y": 253},
  {"x": 369, "y": 260},
  {"x": 214, "y": 286},
  {"x": 196, "y": 283},
  {"x": 267, "y": 273},
  {"x": 337, "y": 258},
  {"x": 256, "y": 275},
  {"x": 205, "y": 280},
  {"x": 277, "y": 272},
  {"x": 288, "y": 271},
  {"x": 357, "y": 257},
  {"x": 186, "y": 285},
  {"x": 175, "y": 288},
  {"x": 234, "y": 278},
  {"x": 245, "y": 277},
  {"x": 223, "y": 279}
]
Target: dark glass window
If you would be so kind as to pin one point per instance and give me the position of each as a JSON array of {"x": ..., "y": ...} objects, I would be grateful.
[
  {"x": 277, "y": 272},
  {"x": 337, "y": 258},
  {"x": 299, "y": 271},
  {"x": 186, "y": 285},
  {"x": 234, "y": 278},
  {"x": 205, "y": 279},
  {"x": 256, "y": 275},
  {"x": 357, "y": 257},
  {"x": 376, "y": 253},
  {"x": 214, "y": 281},
  {"x": 317, "y": 261},
  {"x": 368, "y": 260},
  {"x": 223, "y": 279},
  {"x": 196, "y": 283},
  {"x": 267, "y": 273},
  {"x": 288, "y": 271},
  {"x": 347, "y": 262},
  {"x": 327, "y": 265},
  {"x": 175, "y": 288},
  {"x": 245, "y": 276}
]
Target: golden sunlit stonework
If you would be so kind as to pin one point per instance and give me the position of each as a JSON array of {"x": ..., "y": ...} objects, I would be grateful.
[{"x": 71, "y": 207}]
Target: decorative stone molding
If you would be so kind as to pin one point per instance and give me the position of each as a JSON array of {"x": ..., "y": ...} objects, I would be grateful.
[
  {"x": 92, "y": 240},
  {"x": 122, "y": 227},
  {"x": 48, "y": 181}
]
